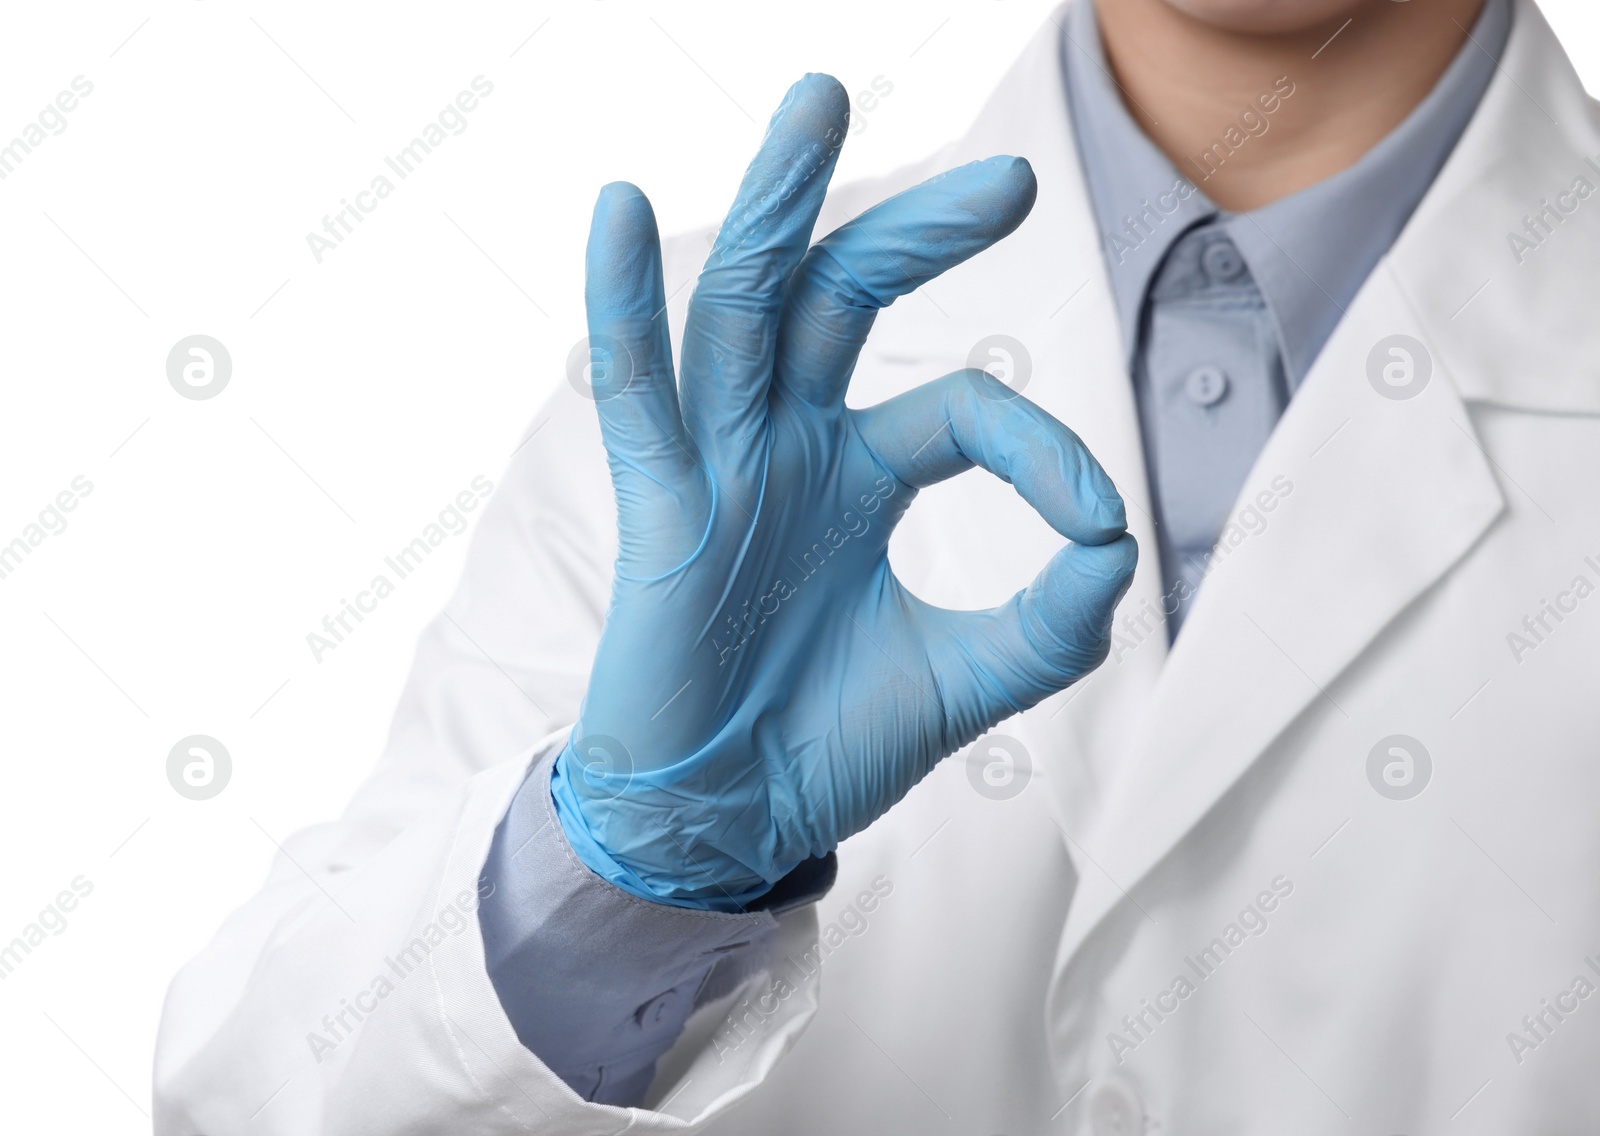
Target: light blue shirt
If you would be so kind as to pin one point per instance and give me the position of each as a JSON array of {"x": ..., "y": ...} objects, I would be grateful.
[{"x": 1222, "y": 315}]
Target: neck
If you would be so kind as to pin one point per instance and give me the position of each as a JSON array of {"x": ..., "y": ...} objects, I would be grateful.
[{"x": 1350, "y": 78}]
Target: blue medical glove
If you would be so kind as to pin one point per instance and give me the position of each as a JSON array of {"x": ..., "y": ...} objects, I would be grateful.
[{"x": 764, "y": 687}]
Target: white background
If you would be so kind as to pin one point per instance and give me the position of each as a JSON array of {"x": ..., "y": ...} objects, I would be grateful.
[{"x": 366, "y": 391}]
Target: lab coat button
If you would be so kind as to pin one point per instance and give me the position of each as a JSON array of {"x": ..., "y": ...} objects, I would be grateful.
[
  {"x": 1205, "y": 386},
  {"x": 1115, "y": 1110},
  {"x": 1222, "y": 261}
]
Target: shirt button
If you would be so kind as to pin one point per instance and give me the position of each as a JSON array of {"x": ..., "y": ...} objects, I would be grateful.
[
  {"x": 1116, "y": 1110},
  {"x": 1222, "y": 261},
  {"x": 1206, "y": 385}
]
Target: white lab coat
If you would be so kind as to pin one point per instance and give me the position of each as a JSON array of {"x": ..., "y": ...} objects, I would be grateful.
[{"x": 1406, "y": 939}]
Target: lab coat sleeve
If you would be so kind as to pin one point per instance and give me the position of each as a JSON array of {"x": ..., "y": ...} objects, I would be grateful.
[{"x": 351, "y": 994}]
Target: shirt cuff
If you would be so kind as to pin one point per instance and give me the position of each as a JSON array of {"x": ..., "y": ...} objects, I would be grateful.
[{"x": 598, "y": 983}]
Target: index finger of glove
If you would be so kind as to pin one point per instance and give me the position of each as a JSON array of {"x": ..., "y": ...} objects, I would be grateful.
[{"x": 969, "y": 418}]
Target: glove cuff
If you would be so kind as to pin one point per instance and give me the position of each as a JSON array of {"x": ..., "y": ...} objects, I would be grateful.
[{"x": 707, "y": 895}]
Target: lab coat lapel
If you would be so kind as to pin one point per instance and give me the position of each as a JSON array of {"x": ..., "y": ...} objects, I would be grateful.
[
  {"x": 1376, "y": 492},
  {"x": 1045, "y": 288},
  {"x": 1372, "y": 500},
  {"x": 1080, "y": 376}
]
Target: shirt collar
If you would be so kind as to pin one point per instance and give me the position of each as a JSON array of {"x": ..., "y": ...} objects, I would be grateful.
[{"x": 1309, "y": 252}]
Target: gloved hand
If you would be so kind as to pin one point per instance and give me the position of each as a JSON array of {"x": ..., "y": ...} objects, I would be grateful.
[{"x": 764, "y": 687}]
